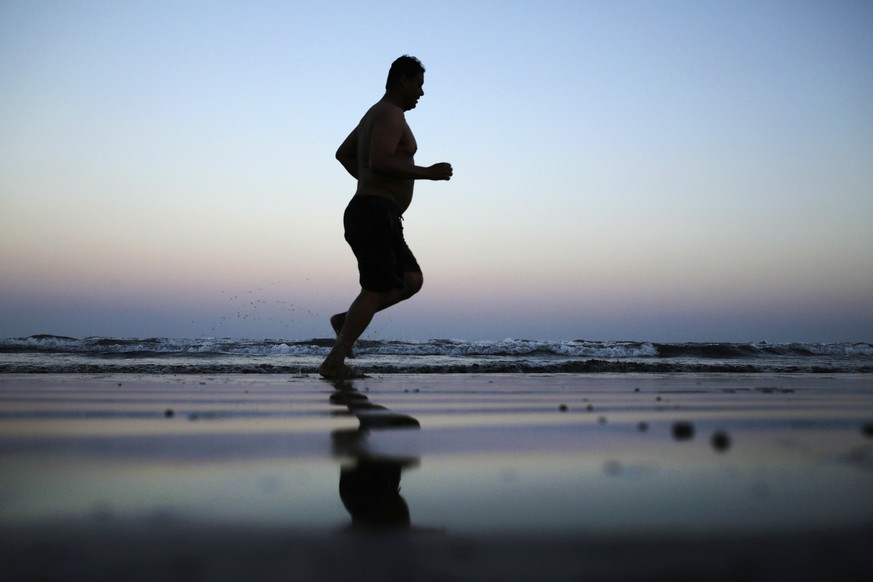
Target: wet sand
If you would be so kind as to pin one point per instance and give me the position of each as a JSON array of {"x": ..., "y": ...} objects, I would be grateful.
[{"x": 435, "y": 477}]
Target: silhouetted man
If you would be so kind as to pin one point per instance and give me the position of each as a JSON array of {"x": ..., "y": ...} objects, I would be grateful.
[{"x": 379, "y": 153}]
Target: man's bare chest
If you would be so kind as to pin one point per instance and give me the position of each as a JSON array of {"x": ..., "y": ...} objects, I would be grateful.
[{"x": 407, "y": 146}]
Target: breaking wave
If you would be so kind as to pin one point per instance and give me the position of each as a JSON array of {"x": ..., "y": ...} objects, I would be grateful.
[{"x": 51, "y": 353}]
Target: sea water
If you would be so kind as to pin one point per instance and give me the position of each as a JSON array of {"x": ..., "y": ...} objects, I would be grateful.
[{"x": 58, "y": 354}]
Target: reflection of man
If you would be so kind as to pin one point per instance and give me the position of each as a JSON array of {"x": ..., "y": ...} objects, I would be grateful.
[
  {"x": 370, "y": 491},
  {"x": 370, "y": 487},
  {"x": 379, "y": 154}
]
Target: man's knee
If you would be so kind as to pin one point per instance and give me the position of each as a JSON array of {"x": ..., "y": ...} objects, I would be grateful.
[{"x": 413, "y": 282}]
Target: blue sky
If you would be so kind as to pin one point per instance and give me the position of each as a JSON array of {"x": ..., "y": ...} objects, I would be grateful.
[{"x": 666, "y": 171}]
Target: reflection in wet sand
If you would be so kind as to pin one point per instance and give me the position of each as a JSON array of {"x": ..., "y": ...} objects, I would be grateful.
[{"x": 370, "y": 485}]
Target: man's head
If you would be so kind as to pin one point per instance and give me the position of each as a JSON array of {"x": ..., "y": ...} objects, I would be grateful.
[
  {"x": 405, "y": 82},
  {"x": 404, "y": 67}
]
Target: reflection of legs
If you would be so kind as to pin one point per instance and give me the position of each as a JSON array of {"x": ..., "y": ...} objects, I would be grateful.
[
  {"x": 370, "y": 492},
  {"x": 352, "y": 323}
]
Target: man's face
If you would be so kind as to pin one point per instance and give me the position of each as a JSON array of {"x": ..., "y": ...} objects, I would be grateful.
[{"x": 412, "y": 90}]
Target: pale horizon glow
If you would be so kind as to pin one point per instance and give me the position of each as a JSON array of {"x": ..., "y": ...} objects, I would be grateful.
[{"x": 654, "y": 171}]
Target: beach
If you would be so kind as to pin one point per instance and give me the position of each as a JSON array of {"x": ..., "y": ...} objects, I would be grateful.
[{"x": 436, "y": 476}]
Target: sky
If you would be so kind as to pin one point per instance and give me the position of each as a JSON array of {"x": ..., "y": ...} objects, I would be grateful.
[{"x": 641, "y": 170}]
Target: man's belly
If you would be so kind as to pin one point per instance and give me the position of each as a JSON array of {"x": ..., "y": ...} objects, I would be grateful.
[{"x": 400, "y": 191}]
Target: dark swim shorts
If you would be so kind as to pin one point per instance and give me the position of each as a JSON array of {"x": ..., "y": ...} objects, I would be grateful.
[{"x": 374, "y": 230}]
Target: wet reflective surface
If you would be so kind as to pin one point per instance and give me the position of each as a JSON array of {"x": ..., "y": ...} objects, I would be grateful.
[{"x": 463, "y": 455}]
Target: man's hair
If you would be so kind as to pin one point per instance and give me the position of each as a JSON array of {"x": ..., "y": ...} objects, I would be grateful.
[{"x": 405, "y": 66}]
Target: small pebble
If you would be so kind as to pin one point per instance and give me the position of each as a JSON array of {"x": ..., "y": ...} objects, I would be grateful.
[
  {"x": 643, "y": 426},
  {"x": 563, "y": 408},
  {"x": 683, "y": 430},
  {"x": 589, "y": 408},
  {"x": 602, "y": 420},
  {"x": 867, "y": 430},
  {"x": 721, "y": 441},
  {"x": 169, "y": 413}
]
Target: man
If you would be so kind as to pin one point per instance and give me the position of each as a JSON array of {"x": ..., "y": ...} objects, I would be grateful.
[{"x": 379, "y": 153}]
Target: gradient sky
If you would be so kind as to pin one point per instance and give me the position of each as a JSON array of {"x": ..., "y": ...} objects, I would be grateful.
[{"x": 652, "y": 170}]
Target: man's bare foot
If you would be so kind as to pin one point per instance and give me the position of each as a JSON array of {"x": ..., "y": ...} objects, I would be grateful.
[
  {"x": 334, "y": 366},
  {"x": 336, "y": 322},
  {"x": 340, "y": 372}
]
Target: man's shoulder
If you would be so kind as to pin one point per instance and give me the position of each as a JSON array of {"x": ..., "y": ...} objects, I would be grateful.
[{"x": 384, "y": 110}]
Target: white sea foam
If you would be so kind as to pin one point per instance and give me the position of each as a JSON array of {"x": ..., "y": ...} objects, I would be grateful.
[{"x": 226, "y": 355}]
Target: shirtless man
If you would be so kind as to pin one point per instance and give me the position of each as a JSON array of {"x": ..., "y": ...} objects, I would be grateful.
[{"x": 379, "y": 154}]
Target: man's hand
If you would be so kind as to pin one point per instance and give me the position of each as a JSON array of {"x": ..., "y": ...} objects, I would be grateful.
[{"x": 441, "y": 171}]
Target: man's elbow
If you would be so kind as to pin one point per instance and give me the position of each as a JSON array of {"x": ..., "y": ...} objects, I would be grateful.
[
  {"x": 377, "y": 168},
  {"x": 382, "y": 165}
]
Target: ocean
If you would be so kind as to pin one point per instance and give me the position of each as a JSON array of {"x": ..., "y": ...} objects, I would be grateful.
[{"x": 98, "y": 355}]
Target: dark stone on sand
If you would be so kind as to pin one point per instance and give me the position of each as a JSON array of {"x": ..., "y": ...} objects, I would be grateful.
[
  {"x": 589, "y": 408},
  {"x": 867, "y": 430},
  {"x": 602, "y": 420},
  {"x": 643, "y": 426},
  {"x": 563, "y": 408},
  {"x": 683, "y": 430},
  {"x": 168, "y": 413},
  {"x": 721, "y": 441}
]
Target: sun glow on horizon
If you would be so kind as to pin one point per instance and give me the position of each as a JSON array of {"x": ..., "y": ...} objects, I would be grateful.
[{"x": 632, "y": 170}]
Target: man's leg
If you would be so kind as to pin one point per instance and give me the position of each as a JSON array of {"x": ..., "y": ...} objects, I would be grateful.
[
  {"x": 413, "y": 282},
  {"x": 359, "y": 316}
]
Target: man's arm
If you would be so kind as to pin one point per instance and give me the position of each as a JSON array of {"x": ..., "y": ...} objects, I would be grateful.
[
  {"x": 385, "y": 136},
  {"x": 347, "y": 153}
]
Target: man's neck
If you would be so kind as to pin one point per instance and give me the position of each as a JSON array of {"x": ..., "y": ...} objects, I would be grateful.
[{"x": 393, "y": 99}]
